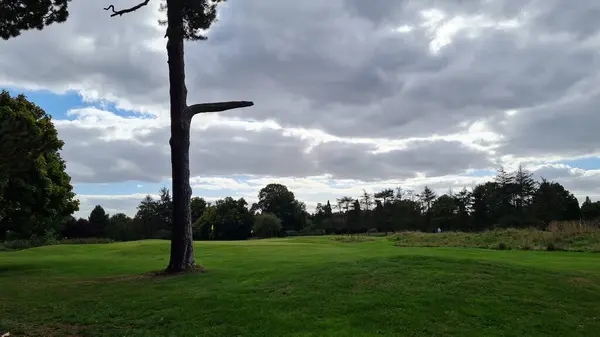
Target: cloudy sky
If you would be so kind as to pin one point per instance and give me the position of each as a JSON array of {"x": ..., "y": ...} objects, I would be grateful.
[{"x": 349, "y": 95}]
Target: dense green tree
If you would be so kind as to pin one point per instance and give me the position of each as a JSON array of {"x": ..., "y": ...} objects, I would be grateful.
[
  {"x": 35, "y": 191},
  {"x": 277, "y": 199},
  {"x": 445, "y": 210},
  {"x": 120, "y": 227},
  {"x": 147, "y": 216},
  {"x": 590, "y": 210},
  {"x": 227, "y": 219},
  {"x": 197, "y": 206},
  {"x": 98, "y": 222},
  {"x": 185, "y": 20},
  {"x": 266, "y": 225},
  {"x": 427, "y": 197},
  {"x": 553, "y": 202},
  {"x": 203, "y": 227},
  {"x": 524, "y": 189}
]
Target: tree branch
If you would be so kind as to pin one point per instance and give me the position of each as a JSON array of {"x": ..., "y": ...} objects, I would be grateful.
[
  {"x": 127, "y": 10},
  {"x": 215, "y": 107}
]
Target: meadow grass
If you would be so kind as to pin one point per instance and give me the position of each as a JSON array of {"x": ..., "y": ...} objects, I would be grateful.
[
  {"x": 564, "y": 236},
  {"x": 304, "y": 286}
]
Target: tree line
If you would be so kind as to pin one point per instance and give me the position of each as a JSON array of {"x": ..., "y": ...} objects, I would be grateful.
[{"x": 510, "y": 200}]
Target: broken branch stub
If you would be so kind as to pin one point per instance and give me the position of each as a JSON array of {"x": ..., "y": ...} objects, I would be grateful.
[{"x": 195, "y": 109}]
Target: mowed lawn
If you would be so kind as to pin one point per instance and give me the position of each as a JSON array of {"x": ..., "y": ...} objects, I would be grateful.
[{"x": 299, "y": 287}]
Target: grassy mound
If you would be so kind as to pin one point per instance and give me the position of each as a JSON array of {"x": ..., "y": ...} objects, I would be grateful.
[
  {"x": 298, "y": 287},
  {"x": 582, "y": 240}
]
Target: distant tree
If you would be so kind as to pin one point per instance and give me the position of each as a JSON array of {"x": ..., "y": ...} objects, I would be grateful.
[
  {"x": 366, "y": 201},
  {"x": 506, "y": 191},
  {"x": 98, "y": 221},
  {"x": 227, "y": 219},
  {"x": 427, "y": 197},
  {"x": 35, "y": 191},
  {"x": 203, "y": 227},
  {"x": 120, "y": 227},
  {"x": 385, "y": 195},
  {"x": 524, "y": 188},
  {"x": 164, "y": 212},
  {"x": 445, "y": 212},
  {"x": 464, "y": 203},
  {"x": 197, "y": 205},
  {"x": 234, "y": 220},
  {"x": 266, "y": 225},
  {"x": 590, "y": 210},
  {"x": 346, "y": 202},
  {"x": 486, "y": 205},
  {"x": 186, "y": 20},
  {"x": 553, "y": 202},
  {"x": 277, "y": 199},
  {"x": 147, "y": 216}
]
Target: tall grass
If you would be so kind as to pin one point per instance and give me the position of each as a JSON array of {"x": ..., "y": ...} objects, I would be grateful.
[{"x": 564, "y": 235}]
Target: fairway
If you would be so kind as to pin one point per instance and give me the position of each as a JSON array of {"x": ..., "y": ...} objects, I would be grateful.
[{"x": 299, "y": 287}]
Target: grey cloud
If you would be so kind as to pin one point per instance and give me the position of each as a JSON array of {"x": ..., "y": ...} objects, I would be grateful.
[
  {"x": 107, "y": 56},
  {"x": 355, "y": 161},
  {"x": 568, "y": 128},
  {"x": 333, "y": 65},
  {"x": 224, "y": 150}
]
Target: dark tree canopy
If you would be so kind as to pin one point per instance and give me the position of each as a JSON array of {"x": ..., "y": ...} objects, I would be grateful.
[
  {"x": 17, "y": 16},
  {"x": 35, "y": 190}
]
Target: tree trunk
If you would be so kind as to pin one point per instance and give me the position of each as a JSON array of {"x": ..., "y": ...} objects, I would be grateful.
[{"x": 182, "y": 249}]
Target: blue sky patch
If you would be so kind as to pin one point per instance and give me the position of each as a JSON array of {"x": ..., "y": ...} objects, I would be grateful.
[{"x": 57, "y": 105}]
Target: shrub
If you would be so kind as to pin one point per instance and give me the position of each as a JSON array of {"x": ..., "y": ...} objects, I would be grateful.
[
  {"x": 353, "y": 239},
  {"x": 502, "y": 246},
  {"x": 17, "y": 244},
  {"x": 266, "y": 225},
  {"x": 86, "y": 241}
]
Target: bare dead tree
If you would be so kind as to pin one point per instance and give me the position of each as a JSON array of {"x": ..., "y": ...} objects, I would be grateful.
[{"x": 180, "y": 26}]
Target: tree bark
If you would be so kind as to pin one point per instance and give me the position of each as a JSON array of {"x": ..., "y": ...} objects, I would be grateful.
[{"x": 182, "y": 248}]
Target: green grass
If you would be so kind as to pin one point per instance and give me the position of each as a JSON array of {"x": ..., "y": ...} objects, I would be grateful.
[
  {"x": 525, "y": 239},
  {"x": 299, "y": 287}
]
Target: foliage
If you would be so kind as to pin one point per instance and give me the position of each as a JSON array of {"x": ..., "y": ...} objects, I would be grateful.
[
  {"x": 277, "y": 199},
  {"x": 266, "y": 225},
  {"x": 21, "y": 15},
  {"x": 86, "y": 241},
  {"x": 35, "y": 191},
  {"x": 227, "y": 219},
  {"x": 98, "y": 221},
  {"x": 352, "y": 239}
]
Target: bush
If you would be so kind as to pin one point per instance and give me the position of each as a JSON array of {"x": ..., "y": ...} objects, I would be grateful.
[
  {"x": 86, "y": 241},
  {"x": 353, "y": 239},
  {"x": 17, "y": 244},
  {"x": 266, "y": 225}
]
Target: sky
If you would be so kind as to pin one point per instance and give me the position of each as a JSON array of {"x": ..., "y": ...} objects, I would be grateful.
[{"x": 350, "y": 95}]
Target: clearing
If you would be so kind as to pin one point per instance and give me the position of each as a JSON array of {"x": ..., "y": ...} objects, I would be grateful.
[{"x": 299, "y": 287}]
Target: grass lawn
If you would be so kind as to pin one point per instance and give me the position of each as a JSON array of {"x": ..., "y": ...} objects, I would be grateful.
[{"x": 299, "y": 287}]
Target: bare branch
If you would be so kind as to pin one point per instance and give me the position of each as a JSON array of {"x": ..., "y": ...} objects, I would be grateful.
[
  {"x": 216, "y": 107},
  {"x": 127, "y": 10}
]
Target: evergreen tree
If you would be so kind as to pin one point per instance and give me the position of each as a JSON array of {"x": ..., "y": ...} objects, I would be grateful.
[{"x": 98, "y": 222}]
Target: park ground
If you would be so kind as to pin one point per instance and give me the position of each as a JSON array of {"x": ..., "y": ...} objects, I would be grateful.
[{"x": 299, "y": 287}]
